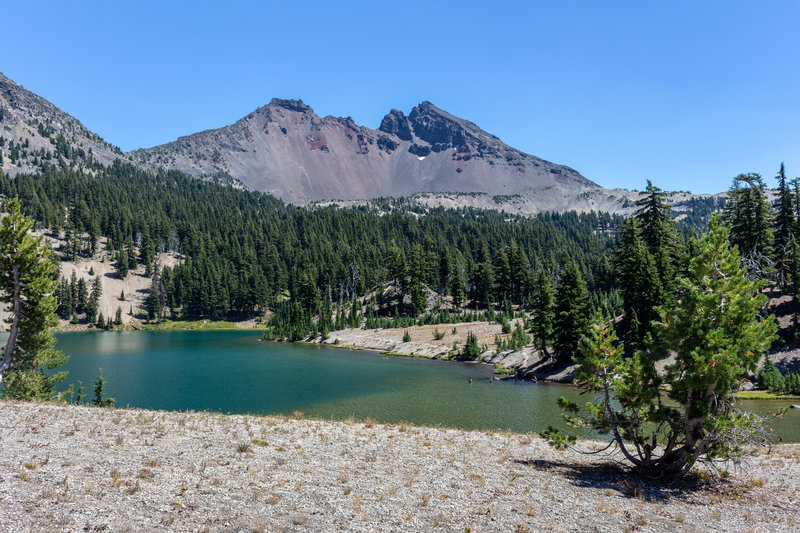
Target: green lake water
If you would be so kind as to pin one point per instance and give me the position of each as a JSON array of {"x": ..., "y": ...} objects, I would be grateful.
[{"x": 234, "y": 372}]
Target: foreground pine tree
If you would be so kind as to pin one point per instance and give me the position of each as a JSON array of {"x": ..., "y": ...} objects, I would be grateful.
[
  {"x": 717, "y": 334},
  {"x": 26, "y": 287}
]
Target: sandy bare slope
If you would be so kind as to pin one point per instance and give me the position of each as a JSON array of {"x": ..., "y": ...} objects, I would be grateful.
[{"x": 66, "y": 468}]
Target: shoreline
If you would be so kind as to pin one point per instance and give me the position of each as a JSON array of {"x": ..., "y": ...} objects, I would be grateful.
[
  {"x": 525, "y": 364},
  {"x": 73, "y": 468}
]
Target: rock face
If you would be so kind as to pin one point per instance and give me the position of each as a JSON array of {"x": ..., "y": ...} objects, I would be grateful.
[
  {"x": 34, "y": 130},
  {"x": 285, "y": 149}
]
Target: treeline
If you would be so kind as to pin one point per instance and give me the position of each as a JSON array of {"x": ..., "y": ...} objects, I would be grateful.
[{"x": 248, "y": 252}]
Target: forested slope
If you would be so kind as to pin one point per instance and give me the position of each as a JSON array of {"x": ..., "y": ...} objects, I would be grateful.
[{"x": 246, "y": 251}]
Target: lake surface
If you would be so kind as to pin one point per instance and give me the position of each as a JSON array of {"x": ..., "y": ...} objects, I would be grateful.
[{"x": 233, "y": 372}]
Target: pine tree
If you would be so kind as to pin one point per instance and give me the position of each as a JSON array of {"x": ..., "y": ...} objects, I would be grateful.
[
  {"x": 659, "y": 235},
  {"x": 718, "y": 337},
  {"x": 100, "y": 400},
  {"x": 308, "y": 294},
  {"x": 750, "y": 217},
  {"x": 543, "y": 313},
  {"x": 784, "y": 227},
  {"x": 471, "y": 348},
  {"x": 122, "y": 263},
  {"x": 502, "y": 276},
  {"x": 154, "y": 305},
  {"x": 457, "y": 283},
  {"x": 638, "y": 280},
  {"x": 418, "y": 273},
  {"x": 26, "y": 285},
  {"x": 482, "y": 285},
  {"x": 94, "y": 299},
  {"x": 572, "y": 312},
  {"x": 82, "y": 304}
]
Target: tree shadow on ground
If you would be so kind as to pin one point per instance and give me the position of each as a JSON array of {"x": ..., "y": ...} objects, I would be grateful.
[{"x": 617, "y": 478}]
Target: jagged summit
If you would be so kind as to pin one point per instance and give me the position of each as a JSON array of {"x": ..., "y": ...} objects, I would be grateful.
[
  {"x": 291, "y": 105},
  {"x": 286, "y": 149}
]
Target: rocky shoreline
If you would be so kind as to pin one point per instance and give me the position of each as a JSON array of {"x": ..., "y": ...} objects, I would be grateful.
[
  {"x": 526, "y": 363},
  {"x": 75, "y": 468}
]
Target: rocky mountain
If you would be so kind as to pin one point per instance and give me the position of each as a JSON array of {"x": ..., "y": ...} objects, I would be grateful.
[
  {"x": 34, "y": 131},
  {"x": 284, "y": 148}
]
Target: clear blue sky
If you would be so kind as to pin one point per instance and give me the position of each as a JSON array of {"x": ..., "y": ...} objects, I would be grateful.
[{"x": 688, "y": 94}]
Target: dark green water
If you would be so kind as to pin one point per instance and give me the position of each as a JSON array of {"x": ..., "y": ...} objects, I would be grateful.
[{"x": 233, "y": 372}]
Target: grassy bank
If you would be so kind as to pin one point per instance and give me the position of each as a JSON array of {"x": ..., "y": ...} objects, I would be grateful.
[
  {"x": 196, "y": 325},
  {"x": 764, "y": 395}
]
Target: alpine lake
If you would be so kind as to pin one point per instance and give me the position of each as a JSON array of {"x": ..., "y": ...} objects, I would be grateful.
[{"x": 235, "y": 372}]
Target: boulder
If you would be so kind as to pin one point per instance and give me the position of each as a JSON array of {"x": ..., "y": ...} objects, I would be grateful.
[{"x": 746, "y": 385}]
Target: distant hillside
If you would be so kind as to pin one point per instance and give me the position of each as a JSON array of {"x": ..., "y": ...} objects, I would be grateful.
[{"x": 34, "y": 131}]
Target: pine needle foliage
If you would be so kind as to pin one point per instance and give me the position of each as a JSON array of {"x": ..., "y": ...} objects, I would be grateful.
[
  {"x": 26, "y": 287},
  {"x": 717, "y": 335}
]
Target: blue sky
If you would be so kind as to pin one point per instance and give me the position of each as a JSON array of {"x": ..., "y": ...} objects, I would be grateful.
[{"x": 688, "y": 94}]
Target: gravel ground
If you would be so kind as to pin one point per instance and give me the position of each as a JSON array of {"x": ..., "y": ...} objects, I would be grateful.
[{"x": 68, "y": 468}]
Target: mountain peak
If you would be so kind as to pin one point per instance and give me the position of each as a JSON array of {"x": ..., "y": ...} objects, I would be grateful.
[
  {"x": 291, "y": 105},
  {"x": 302, "y": 157}
]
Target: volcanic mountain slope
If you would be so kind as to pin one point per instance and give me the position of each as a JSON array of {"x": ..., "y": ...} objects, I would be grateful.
[
  {"x": 34, "y": 131},
  {"x": 284, "y": 148}
]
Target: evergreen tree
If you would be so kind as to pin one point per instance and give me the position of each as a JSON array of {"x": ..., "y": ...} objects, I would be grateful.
[
  {"x": 26, "y": 286},
  {"x": 446, "y": 270},
  {"x": 94, "y": 299},
  {"x": 638, "y": 280},
  {"x": 308, "y": 294},
  {"x": 118, "y": 316},
  {"x": 418, "y": 273},
  {"x": 502, "y": 276},
  {"x": 457, "y": 283},
  {"x": 482, "y": 285},
  {"x": 82, "y": 304},
  {"x": 716, "y": 331},
  {"x": 471, "y": 348},
  {"x": 100, "y": 400},
  {"x": 784, "y": 227},
  {"x": 572, "y": 313},
  {"x": 543, "y": 314},
  {"x": 154, "y": 305},
  {"x": 659, "y": 235},
  {"x": 122, "y": 264},
  {"x": 750, "y": 218},
  {"x": 80, "y": 394}
]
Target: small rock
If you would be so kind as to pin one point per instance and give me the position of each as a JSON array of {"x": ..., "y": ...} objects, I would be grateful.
[{"x": 746, "y": 386}]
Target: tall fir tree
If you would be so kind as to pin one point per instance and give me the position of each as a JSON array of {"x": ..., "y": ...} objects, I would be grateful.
[
  {"x": 571, "y": 321},
  {"x": 543, "y": 314},
  {"x": 638, "y": 280},
  {"x": 784, "y": 228},
  {"x": 750, "y": 218},
  {"x": 26, "y": 286},
  {"x": 659, "y": 235},
  {"x": 94, "y": 299}
]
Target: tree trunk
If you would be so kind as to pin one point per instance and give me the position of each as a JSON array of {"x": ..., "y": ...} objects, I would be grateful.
[{"x": 16, "y": 300}]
